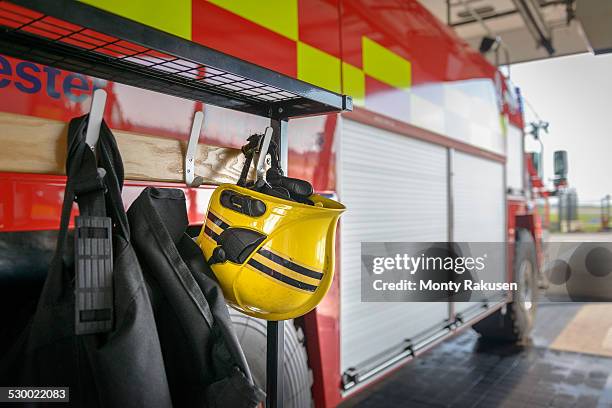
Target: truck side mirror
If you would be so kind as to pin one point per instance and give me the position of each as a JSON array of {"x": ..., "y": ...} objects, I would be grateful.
[
  {"x": 536, "y": 160},
  {"x": 560, "y": 159}
]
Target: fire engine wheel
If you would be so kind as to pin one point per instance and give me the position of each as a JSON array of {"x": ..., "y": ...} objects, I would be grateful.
[
  {"x": 515, "y": 322},
  {"x": 297, "y": 379}
]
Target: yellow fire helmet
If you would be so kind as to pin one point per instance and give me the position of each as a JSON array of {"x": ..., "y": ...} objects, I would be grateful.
[{"x": 271, "y": 243}]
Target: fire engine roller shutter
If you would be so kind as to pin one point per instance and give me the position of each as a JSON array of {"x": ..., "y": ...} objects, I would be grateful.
[
  {"x": 479, "y": 206},
  {"x": 394, "y": 189}
]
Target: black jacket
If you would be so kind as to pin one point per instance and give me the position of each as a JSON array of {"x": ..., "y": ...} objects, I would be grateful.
[
  {"x": 120, "y": 368},
  {"x": 205, "y": 365}
]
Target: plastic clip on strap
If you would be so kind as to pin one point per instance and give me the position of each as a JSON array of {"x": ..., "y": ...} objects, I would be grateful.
[
  {"x": 93, "y": 245},
  {"x": 94, "y": 274}
]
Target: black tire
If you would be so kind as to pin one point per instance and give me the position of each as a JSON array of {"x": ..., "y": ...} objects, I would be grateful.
[
  {"x": 297, "y": 378},
  {"x": 515, "y": 322}
]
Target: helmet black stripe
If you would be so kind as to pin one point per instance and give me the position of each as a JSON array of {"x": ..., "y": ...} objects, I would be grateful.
[
  {"x": 218, "y": 221},
  {"x": 279, "y": 276},
  {"x": 290, "y": 265},
  {"x": 208, "y": 231}
]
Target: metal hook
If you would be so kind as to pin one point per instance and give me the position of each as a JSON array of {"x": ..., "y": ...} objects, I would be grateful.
[
  {"x": 96, "y": 115},
  {"x": 190, "y": 178}
]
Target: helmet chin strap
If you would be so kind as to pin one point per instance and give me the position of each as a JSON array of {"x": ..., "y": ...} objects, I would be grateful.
[
  {"x": 260, "y": 144},
  {"x": 272, "y": 182}
]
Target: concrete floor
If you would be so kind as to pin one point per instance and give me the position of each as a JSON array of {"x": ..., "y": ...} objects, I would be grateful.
[{"x": 466, "y": 372}]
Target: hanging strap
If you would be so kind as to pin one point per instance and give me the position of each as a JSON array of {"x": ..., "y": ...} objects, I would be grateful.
[
  {"x": 97, "y": 191},
  {"x": 249, "y": 151}
]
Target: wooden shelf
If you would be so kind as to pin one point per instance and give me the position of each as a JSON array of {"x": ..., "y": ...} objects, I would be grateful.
[{"x": 35, "y": 145}]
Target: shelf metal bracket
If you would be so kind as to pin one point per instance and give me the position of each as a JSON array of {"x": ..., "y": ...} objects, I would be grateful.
[{"x": 276, "y": 329}]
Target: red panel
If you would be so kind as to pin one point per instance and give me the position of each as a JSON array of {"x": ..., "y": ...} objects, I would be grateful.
[
  {"x": 325, "y": 175},
  {"x": 409, "y": 30},
  {"x": 37, "y": 90},
  {"x": 319, "y": 24},
  {"x": 352, "y": 29},
  {"x": 311, "y": 155},
  {"x": 322, "y": 328},
  {"x": 437, "y": 55},
  {"x": 226, "y": 32},
  {"x": 516, "y": 118},
  {"x": 32, "y": 202},
  {"x": 33, "y": 89}
]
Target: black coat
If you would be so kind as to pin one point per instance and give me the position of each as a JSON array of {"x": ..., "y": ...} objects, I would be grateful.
[
  {"x": 120, "y": 368},
  {"x": 205, "y": 365}
]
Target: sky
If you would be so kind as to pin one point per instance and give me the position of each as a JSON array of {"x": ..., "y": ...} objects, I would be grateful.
[{"x": 574, "y": 94}]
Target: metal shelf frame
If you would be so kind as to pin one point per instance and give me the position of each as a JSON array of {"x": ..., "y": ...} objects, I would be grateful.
[
  {"x": 71, "y": 35},
  {"x": 77, "y": 37}
]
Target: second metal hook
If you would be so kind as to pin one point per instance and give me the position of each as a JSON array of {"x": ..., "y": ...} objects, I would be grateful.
[{"x": 192, "y": 146}]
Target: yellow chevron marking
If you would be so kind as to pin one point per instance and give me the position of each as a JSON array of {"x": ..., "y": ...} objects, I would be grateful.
[
  {"x": 173, "y": 17},
  {"x": 353, "y": 83},
  {"x": 202, "y": 236},
  {"x": 285, "y": 271},
  {"x": 280, "y": 16},
  {"x": 385, "y": 65},
  {"x": 318, "y": 68},
  {"x": 590, "y": 331}
]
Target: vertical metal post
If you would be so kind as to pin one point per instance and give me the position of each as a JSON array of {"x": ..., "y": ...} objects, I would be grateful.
[
  {"x": 274, "y": 364},
  {"x": 276, "y": 330},
  {"x": 280, "y": 137}
]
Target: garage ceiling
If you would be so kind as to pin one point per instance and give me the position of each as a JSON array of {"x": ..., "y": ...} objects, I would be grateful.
[{"x": 528, "y": 29}]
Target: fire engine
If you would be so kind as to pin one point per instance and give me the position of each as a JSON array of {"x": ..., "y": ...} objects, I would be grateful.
[{"x": 433, "y": 151}]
